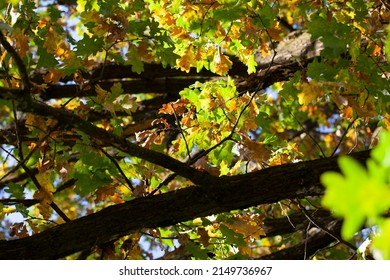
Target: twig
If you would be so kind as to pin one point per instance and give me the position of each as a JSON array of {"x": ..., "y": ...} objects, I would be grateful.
[
  {"x": 204, "y": 17},
  {"x": 22, "y": 163},
  {"x": 28, "y": 155},
  {"x": 17, "y": 130},
  {"x": 311, "y": 219},
  {"x": 306, "y": 240},
  {"x": 181, "y": 131},
  {"x": 342, "y": 136},
  {"x": 311, "y": 137},
  {"x": 130, "y": 185},
  {"x": 39, "y": 187},
  {"x": 13, "y": 201},
  {"x": 172, "y": 176},
  {"x": 18, "y": 60}
]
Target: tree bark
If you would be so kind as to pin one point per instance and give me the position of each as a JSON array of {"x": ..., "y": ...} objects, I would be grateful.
[{"x": 220, "y": 195}]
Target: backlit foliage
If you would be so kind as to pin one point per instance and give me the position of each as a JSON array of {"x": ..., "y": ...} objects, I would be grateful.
[{"x": 198, "y": 82}]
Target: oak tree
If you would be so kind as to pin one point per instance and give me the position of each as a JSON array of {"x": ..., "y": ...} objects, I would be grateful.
[{"x": 142, "y": 129}]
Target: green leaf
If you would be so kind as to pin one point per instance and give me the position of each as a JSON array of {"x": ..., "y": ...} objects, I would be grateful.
[
  {"x": 46, "y": 59},
  {"x": 16, "y": 190},
  {"x": 356, "y": 195},
  {"x": 89, "y": 181},
  {"x": 338, "y": 196},
  {"x": 381, "y": 153},
  {"x": 387, "y": 44},
  {"x": 89, "y": 45},
  {"x": 266, "y": 17},
  {"x": 381, "y": 241},
  {"x": 232, "y": 237},
  {"x": 336, "y": 36},
  {"x": 54, "y": 12},
  {"x": 194, "y": 249}
]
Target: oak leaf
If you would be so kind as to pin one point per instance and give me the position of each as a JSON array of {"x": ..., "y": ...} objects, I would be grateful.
[{"x": 222, "y": 63}]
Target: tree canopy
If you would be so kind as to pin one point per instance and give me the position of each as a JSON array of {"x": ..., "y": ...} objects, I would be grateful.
[{"x": 142, "y": 129}]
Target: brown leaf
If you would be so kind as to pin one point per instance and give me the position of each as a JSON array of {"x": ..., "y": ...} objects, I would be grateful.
[{"x": 204, "y": 237}]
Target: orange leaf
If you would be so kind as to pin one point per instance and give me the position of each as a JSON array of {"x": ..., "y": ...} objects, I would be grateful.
[
  {"x": 54, "y": 76},
  {"x": 21, "y": 42},
  {"x": 222, "y": 63},
  {"x": 249, "y": 225},
  {"x": 255, "y": 151},
  {"x": 347, "y": 112},
  {"x": 179, "y": 107},
  {"x": 377, "y": 50},
  {"x": 264, "y": 48},
  {"x": 275, "y": 32},
  {"x": 187, "y": 60}
]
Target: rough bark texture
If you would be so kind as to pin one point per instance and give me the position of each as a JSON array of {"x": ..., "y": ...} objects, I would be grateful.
[{"x": 221, "y": 195}]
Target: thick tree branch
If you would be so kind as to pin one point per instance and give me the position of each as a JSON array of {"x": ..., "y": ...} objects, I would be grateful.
[
  {"x": 222, "y": 195},
  {"x": 293, "y": 53},
  {"x": 308, "y": 247},
  {"x": 104, "y": 137}
]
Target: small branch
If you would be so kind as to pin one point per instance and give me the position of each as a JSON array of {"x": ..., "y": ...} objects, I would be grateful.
[
  {"x": 18, "y": 134},
  {"x": 14, "y": 201},
  {"x": 20, "y": 161},
  {"x": 65, "y": 185},
  {"x": 181, "y": 131},
  {"x": 311, "y": 137},
  {"x": 172, "y": 176},
  {"x": 342, "y": 136},
  {"x": 311, "y": 219},
  {"x": 110, "y": 139},
  {"x": 306, "y": 240},
  {"x": 18, "y": 60},
  {"x": 128, "y": 182},
  {"x": 39, "y": 187}
]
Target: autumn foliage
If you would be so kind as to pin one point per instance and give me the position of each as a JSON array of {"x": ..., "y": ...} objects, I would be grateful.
[{"x": 143, "y": 129}]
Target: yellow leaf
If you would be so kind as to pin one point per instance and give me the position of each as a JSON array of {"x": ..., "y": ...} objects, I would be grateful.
[
  {"x": 45, "y": 194},
  {"x": 101, "y": 93},
  {"x": 204, "y": 236},
  {"x": 310, "y": 92},
  {"x": 254, "y": 109},
  {"x": 235, "y": 32},
  {"x": 249, "y": 225},
  {"x": 34, "y": 121},
  {"x": 386, "y": 121},
  {"x": 347, "y": 112},
  {"x": 21, "y": 42},
  {"x": 250, "y": 124},
  {"x": 6, "y": 210},
  {"x": 190, "y": 13},
  {"x": 54, "y": 76},
  {"x": 329, "y": 139},
  {"x": 42, "y": 22},
  {"x": 221, "y": 63},
  {"x": 179, "y": 107},
  {"x": 144, "y": 53},
  {"x": 52, "y": 40},
  {"x": 187, "y": 60},
  {"x": 179, "y": 32},
  {"x": 264, "y": 48}
]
